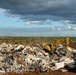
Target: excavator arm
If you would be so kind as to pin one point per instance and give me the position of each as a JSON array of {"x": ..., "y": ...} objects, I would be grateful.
[
  {"x": 65, "y": 42},
  {"x": 51, "y": 46}
]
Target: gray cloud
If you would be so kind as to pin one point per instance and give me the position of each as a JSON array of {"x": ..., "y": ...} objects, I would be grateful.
[{"x": 41, "y": 9}]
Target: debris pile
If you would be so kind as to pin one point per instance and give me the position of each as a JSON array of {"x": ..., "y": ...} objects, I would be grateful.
[{"x": 20, "y": 58}]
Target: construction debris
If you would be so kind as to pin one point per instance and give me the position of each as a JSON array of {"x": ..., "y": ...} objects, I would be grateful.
[{"x": 20, "y": 58}]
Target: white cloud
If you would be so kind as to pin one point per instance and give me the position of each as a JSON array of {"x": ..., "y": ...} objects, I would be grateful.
[
  {"x": 53, "y": 28},
  {"x": 74, "y": 28},
  {"x": 71, "y": 28},
  {"x": 33, "y": 22},
  {"x": 48, "y": 21},
  {"x": 66, "y": 21},
  {"x": 36, "y": 22},
  {"x": 59, "y": 29},
  {"x": 2, "y": 10}
]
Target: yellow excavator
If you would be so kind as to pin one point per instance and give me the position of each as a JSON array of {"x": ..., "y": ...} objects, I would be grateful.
[{"x": 51, "y": 46}]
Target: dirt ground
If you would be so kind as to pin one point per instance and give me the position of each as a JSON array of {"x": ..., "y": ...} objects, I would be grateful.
[
  {"x": 70, "y": 72},
  {"x": 73, "y": 45},
  {"x": 49, "y": 73}
]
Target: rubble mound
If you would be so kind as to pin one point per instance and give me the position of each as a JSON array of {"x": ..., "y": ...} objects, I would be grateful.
[{"x": 19, "y": 58}]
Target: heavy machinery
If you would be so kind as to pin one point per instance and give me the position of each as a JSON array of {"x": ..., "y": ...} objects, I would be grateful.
[{"x": 52, "y": 45}]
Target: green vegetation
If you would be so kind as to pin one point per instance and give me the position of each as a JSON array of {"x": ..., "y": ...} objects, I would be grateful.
[{"x": 32, "y": 40}]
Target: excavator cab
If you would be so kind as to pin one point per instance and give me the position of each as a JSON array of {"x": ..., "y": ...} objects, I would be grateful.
[{"x": 46, "y": 46}]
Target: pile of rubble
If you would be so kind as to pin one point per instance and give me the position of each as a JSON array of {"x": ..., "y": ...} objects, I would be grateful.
[{"x": 20, "y": 58}]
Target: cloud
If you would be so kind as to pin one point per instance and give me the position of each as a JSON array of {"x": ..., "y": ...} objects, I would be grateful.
[
  {"x": 65, "y": 22},
  {"x": 2, "y": 10},
  {"x": 71, "y": 28},
  {"x": 41, "y": 9},
  {"x": 46, "y": 22},
  {"x": 59, "y": 29},
  {"x": 33, "y": 22}
]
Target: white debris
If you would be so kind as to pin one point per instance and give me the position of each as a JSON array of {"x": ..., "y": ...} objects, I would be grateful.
[
  {"x": 2, "y": 71},
  {"x": 59, "y": 65},
  {"x": 70, "y": 49},
  {"x": 70, "y": 62},
  {"x": 19, "y": 47},
  {"x": 19, "y": 58}
]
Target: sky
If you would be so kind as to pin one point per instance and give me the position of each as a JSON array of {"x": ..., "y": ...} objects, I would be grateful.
[{"x": 37, "y": 17}]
